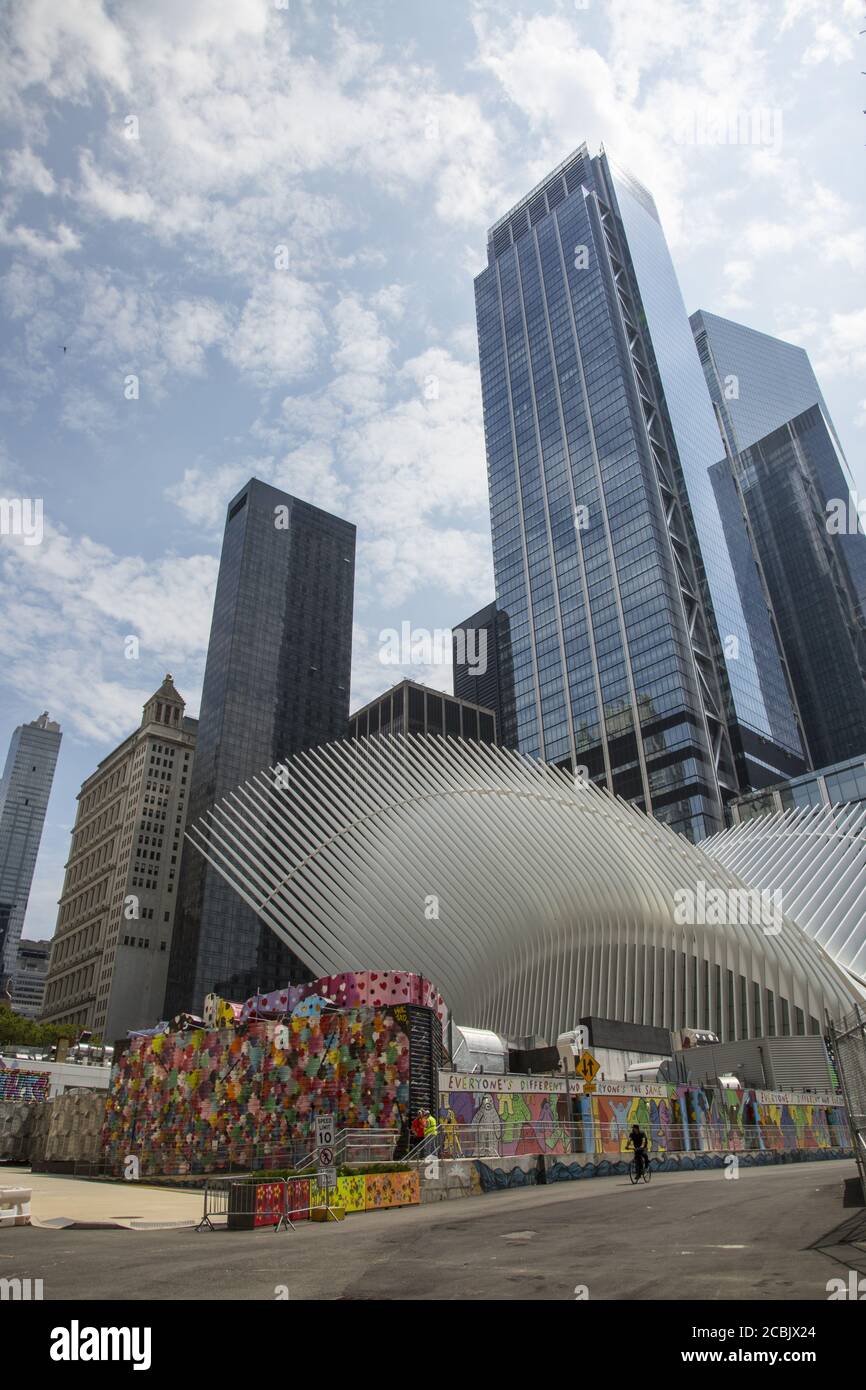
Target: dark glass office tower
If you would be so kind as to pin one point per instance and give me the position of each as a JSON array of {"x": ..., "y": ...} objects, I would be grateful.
[
  {"x": 480, "y": 652},
  {"x": 635, "y": 653},
  {"x": 276, "y": 681},
  {"x": 788, "y": 464},
  {"x": 24, "y": 792}
]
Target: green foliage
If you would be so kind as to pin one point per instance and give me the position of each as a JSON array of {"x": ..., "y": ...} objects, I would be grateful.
[{"x": 16, "y": 1031}]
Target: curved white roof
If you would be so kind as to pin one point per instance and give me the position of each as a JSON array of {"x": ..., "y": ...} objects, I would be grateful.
[
  {"x": 530, "y": 899},
  {"x": 816, "y": 858}
]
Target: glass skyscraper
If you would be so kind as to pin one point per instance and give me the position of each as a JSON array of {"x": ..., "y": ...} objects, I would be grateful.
[
  {"x": 276, "y": 681},
  {"x": 24, "y": 793},
  {"x": 641, "y": 646},
  {"x": 785, "y": 457}
]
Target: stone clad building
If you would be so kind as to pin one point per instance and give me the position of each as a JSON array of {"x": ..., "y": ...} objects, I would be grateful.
[{"x": 111, "y": 947}]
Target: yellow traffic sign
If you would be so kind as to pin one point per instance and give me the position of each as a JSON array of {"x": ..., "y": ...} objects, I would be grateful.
[
  {"x": 586, "y": 1066},
  {"x": 589, "y": 1088}
]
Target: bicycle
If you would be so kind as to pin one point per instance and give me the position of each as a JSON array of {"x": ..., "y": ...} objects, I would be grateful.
[{"x": 633, "y": 1174}]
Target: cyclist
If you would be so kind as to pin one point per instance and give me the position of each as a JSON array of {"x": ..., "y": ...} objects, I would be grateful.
[{"x": 638, "y": 1141}]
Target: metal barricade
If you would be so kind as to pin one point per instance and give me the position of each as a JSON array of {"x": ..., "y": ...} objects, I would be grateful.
[
  {"x": 216, "y": 1202},
  {"x": 249, "y": 1203}
]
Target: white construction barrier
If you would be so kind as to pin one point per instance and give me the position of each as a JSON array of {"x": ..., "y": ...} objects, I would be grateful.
[{"x": 15, "y": 1206}]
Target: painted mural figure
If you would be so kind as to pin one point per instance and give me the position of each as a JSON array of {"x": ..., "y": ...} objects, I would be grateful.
[
  {"x": 488, "y": 1128},
  {"x": 451, "y": 1134}
]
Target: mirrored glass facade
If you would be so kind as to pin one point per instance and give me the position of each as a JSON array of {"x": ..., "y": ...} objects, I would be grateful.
[
  {"x": 757, "y": 382},
  {"x": 789, "y": 468},
  {"x": 24, "y": 791},
  {"x": 599, "y": 490},
  {"x": 276, "y": 681},
  {"x": 761, "y": 715}
]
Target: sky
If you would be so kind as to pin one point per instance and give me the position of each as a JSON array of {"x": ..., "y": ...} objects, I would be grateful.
[{"x": 238, "y": 237}]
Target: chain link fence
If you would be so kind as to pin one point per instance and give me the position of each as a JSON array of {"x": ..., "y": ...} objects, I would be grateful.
[{"x": 848, "y": 1036}]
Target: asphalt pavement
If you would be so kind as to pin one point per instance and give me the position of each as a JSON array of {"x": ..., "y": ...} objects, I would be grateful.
[{"x": 771, "y": 1233}]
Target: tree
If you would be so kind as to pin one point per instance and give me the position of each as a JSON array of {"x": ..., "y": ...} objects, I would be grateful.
[{"x": 16, "y": 1031}]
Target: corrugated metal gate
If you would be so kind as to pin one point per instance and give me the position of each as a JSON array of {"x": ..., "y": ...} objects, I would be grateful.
[{"x": 848, "y": 1036}]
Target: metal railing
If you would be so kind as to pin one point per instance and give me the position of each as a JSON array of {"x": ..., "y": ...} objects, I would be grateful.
[
  {"x": 367, "y": 1145},
  {"x": 606, "y": 1138},
  {"x": 496, "y": 1137},
  {"x": 352, "y": 1146},
  {"x": 848, "y": 1036}
]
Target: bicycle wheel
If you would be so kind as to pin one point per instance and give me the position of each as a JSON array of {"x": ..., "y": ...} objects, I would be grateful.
[
  {"x": 632, "y": 1171},
  {"x": 647, "y": 1170}
]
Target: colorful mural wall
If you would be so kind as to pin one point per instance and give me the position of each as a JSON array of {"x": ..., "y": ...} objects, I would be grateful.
[
  {"x": 350, "y": 990},
  {"x": 24, "y": 1085},
  {"x": 509, "y": 1116},
  {"x": 204, "y": 1101},
  {"x": 214, "y": 1100}
]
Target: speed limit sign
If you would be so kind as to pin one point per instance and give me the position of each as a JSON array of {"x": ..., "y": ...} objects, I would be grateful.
[{"x": 325, "y": 1135}]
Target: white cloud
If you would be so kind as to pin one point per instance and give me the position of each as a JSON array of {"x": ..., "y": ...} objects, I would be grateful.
[
  {"x": 230, "y": 116},
  {"x": 738, "y": 274},
  {"x": 103, "y": 194},
  {"x": 830, "y": 38},
  {"x": 280, "y": 331},
  {"x": 396, "y": 447},
  {"x": 810, "y": 217},
  {"x": 202, "y": 493},
  {"x": 131, "y": 328},
  {"x": 30, "y": 239},
  {"x": 831, "y": 42},
  {"x": 187, "y": 329},
  {"x": 63, "y": 48},
  {"x": 391, "y": 300},
  {"x": 841, "y": 345},
  {"x": 75, "y": 602},
  {"x": 25, "y": 171},
  {"x": 86, "y": 413},
  {"x": 397, "y": 563}
]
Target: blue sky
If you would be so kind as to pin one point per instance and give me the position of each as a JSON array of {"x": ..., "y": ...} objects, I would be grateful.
[{"x": 271, "y": 213}]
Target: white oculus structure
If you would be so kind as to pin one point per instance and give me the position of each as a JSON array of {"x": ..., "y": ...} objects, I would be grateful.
[
  {"x": 530, "y": 898},
  {"x": 816, "y": 858}
]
